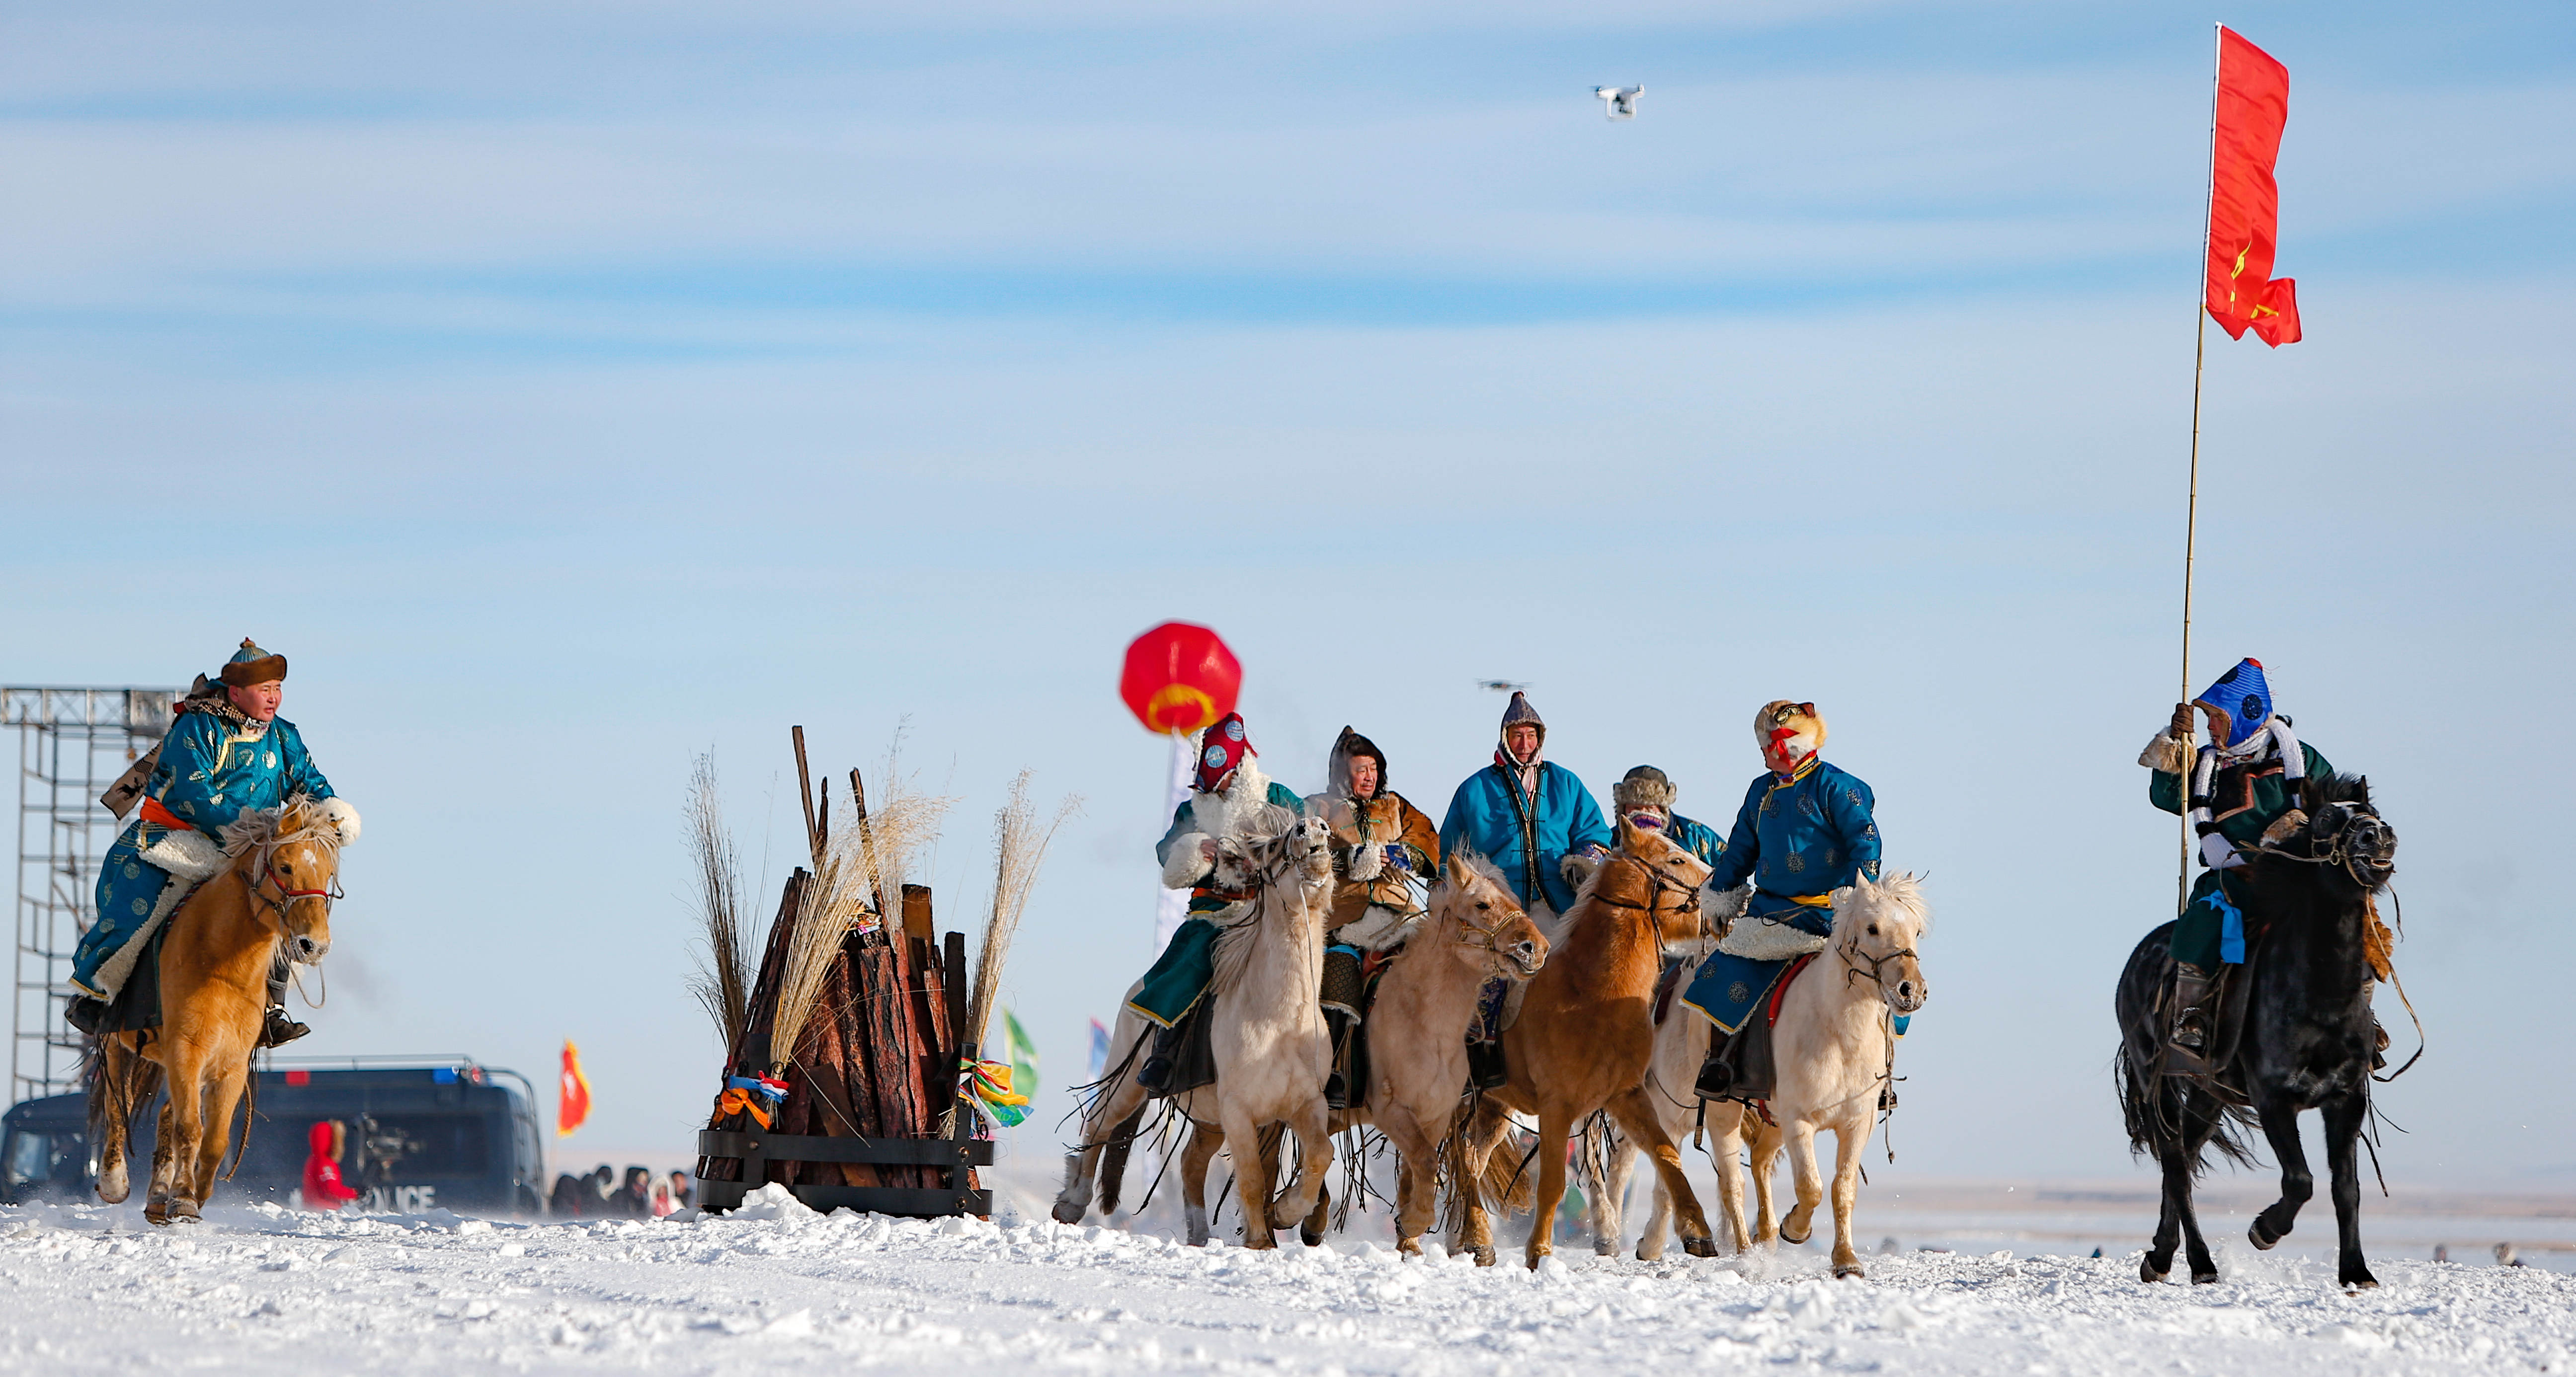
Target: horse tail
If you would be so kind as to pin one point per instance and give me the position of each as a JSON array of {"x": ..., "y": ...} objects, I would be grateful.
[
  {"x": 1113, "y": 1161},
  {"x": 116, "y": 1078}
]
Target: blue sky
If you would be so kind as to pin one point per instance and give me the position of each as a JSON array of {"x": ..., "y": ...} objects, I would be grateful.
[{"x": 570, "y": 389}]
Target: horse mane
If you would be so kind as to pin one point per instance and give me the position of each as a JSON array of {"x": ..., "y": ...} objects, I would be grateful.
[
  {"x": 2340, "y": 788},
  {"x": 1900, "y": 891},
  {"x": 264, "y": 829},
  {"x": 1471, "y": 859},
  {"x": 1232, "y": 951}
]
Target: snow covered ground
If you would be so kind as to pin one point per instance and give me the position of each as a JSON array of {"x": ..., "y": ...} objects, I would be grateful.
[{"x": 778, "y": 1288}]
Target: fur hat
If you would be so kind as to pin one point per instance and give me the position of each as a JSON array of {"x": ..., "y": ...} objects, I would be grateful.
[
  {"x": 2243, "y": 701},
  {"x": 1222, "y": 748},
  {"x": 1643, "y": 787},
  {"x": 1520, "y": 711},
  {"x": 252, "y": 665},
  {"x": 1348, "y": 747},
  {"x": 1795, "y": 726}
]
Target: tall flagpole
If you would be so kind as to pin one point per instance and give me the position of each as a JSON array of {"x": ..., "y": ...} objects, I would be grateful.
[{"x": 2191, "y": 508}]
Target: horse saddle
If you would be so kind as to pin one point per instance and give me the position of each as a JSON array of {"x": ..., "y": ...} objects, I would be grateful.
[
  {"x": 1668, "y": 984},
  {"x": 1752, "y": 1073}
]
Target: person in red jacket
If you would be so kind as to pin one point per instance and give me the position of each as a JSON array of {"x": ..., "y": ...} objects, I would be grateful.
[{"x": 323, "y": 1189}]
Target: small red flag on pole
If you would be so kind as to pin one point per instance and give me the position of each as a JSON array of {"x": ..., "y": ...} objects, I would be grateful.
[
  {"x": 2244, "y": 202},
  {"x": 572, "y": 1104}
]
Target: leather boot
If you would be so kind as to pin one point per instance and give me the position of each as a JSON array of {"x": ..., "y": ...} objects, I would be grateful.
[
  {"x": 276, "y": 1029},
  {"x": 2188, "y": 1043},
  {"x": 1156, "y": 1074},
  {"x": 1716, "y": 1075},
  {"x": 1485, "y": 1068}
]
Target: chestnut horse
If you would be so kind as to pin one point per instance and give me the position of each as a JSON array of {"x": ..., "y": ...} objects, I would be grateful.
[
  {"x": 275, "y": 895},
  {"x": 1587, "y": 1034}
]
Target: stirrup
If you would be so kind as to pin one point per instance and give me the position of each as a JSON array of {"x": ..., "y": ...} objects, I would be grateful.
[
  {"x": 1337, "y": 1094},
  {"x": 1716, "y": 1078},
  {"x": 277, "y": 1030},
  {"x": 1486, "y": 1069}
]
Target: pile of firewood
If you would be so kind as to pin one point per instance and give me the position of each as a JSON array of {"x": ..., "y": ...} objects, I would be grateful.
[{"x": 860, "y": 1018}]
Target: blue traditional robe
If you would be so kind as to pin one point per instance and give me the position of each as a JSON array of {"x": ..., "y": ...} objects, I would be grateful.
[
  {"x": 1798, "y": 839},
  {"x": 213, "y": 766},
  {"x": 1526, "y": 839},
  {"x": 1697, "y": 838}
]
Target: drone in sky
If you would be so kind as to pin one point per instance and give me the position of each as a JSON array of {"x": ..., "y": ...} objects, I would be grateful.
[
  {"x": 1619, "y": 102},
  {"x": 1502, "y": 685}
]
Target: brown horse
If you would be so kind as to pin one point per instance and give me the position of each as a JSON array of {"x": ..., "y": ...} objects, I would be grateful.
[
  {"x": 1587, "y": 1034},
  {"x": 275, "y": 895}
]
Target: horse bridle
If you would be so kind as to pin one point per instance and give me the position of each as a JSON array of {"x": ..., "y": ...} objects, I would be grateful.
[
  {"x": 2339, "y": 846},
  {"x": 1853, "y": 956},
  {"x": 1662, "y": 884},
  {"x": 270, "y": 875}
]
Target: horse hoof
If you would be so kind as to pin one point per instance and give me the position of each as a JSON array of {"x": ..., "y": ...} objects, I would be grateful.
[
  {"x": 2150, "y": 1273},
  {"x": 2204, "y": 1278},
  {"x": 158, "y": 1212},
  {"x": 1646, "y": 1254},
  {"x": 182, "y": 1208},
  {"x": 1067, "y": 1212},
  {"x": 1704, "y": 1247},
  {"x": 1847, "y": 1271},
  {"x": 1605, "y": 1247},
  {"x": 2360, "y": 1281},
  {"x": 1797, "y": 1239},
  {"x": 1309, "y": 1237},
  {"x": 1408, "y": 1247},
  {"x": 1260, "y": 1241},
  {"x": 1484, "y": 1255},
  {"x": 2255, "y": 1234}
]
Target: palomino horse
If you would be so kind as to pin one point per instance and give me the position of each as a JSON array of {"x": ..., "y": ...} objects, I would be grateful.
[
  {"x": 214, "y": 989},
  {"x": 2307, "y": 1037},
  {"x": 1419, "y": 1021},
  {"x": 1586, "y": 1035},
  {"x": 1266, "y": 1032},
  {"x": 1835, "y": 1047},
  {"x": 1681, "y": 1044},
  {"x": 1417, "y": 1028}
]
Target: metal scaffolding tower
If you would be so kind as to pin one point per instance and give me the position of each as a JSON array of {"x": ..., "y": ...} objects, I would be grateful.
[{"x": 72, "y": 744}]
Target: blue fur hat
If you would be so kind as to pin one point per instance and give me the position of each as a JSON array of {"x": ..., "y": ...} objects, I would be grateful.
[{"x": 2243, "y": 698}]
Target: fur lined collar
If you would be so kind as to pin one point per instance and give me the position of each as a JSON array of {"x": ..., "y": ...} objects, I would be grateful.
[{"x": 1236, "y": 810}]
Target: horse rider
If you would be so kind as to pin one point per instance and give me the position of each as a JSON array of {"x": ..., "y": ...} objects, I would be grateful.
[
  {"x": 1383, "y": 847},
  {"x": 1805, "y": 830},
  {"x": 227, "y": 754},
  {"x": 1644, "y": 796},
  {"x": 1233, "y": 799},
  {"x": 2244, "y": 792},
  {"x": 1537, "y": 823}
]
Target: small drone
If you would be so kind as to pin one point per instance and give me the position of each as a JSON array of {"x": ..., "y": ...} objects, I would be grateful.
[
  {"x": 1619, "y": 102},
  {"x": 1502, "y": 685}
]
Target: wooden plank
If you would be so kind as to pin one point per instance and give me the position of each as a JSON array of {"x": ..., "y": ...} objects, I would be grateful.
[
  {"x": 750, "y": 1054},
  {"x": 941, "y": 1152},
  {"x": 917, "y": 923}
]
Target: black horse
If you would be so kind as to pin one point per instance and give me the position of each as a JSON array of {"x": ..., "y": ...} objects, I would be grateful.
[{"x": 2306, "y": 1032}]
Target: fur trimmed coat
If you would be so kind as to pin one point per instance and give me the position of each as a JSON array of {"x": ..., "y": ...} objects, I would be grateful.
[
  {"x": 1252, "y": 804},
  {"x": 1373, "y": 903}
]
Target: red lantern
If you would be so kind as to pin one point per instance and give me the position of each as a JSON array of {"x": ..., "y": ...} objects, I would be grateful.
[{"x": 1179, "y": 678}]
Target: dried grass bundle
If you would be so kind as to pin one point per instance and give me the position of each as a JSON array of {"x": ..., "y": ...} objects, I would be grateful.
[
  {"x": 1019, "y": 848},
  {"x": 723, "y": 981},
  {"x": 901, "y": 822},
  {"x": 829, "y": 905}
]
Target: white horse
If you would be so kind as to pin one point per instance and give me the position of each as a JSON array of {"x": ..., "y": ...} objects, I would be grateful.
[
  {"x": 1266, "y": 1032},
  {"x": 1835, "y": 1047}
]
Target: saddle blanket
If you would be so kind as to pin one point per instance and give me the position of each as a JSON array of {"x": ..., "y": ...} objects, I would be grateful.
[
  {"x": 1180, "y": 975},
  {"x": 1730, "y": 988}
]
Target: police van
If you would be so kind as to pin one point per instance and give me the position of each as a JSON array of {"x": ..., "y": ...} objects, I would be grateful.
[{"x": 417, "y": 1134}]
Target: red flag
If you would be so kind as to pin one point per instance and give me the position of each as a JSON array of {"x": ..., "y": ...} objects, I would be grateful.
[
  {"x": 2244, "y": 204},
  {"x": 572, "y": 1104}
]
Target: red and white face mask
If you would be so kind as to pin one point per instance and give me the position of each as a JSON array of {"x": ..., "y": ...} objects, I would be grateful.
[
  {"x": 1788, "y": 733},
  {"x": 1222, "y": 750}
]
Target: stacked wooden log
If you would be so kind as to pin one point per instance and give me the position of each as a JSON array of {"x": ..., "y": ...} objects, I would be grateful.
[{"x": 878, "y": 1057}]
